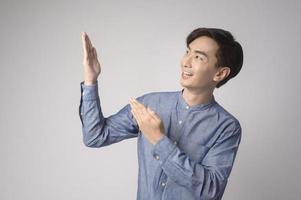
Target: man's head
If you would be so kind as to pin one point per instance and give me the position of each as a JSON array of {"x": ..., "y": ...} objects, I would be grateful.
[{"x": 212, "y": 58}]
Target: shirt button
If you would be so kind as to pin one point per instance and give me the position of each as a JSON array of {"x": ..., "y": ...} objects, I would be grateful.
[
  {"x": 163, "y": 184},
  {"x": 157, "y": 157},
  {"x": 175, "y": 142},
  {"x": 187, "y": 107},
  {"x": 83, "y": 93},
  {"x": 180, "y": 122}
]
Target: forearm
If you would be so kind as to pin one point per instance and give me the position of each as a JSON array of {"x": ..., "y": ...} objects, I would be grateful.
[
  {"x": 99, "y": 130},
  {"x": 91, "y": 116},
  {"x": 208, "y": 177},
  {"x": 185, "y": 172}
]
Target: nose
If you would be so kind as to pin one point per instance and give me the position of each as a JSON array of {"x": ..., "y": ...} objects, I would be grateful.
[{"x": 186, "y": 62}]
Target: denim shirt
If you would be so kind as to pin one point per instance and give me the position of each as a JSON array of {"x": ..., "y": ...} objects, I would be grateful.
[{"x": 194, "y": 158}]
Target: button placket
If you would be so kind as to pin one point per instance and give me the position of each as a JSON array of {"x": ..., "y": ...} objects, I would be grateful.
[{"x": 180, "y": 120}]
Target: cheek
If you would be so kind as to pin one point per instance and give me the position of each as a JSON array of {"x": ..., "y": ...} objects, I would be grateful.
[
  {"x": 204, "y": 75},
  {"x": 182, "y": 62}
]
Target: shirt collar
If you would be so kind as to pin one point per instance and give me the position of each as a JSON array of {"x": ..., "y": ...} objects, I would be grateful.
[{"x": 184, "y": 105}]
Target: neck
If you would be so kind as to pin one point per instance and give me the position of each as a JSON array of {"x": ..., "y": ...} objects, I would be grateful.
[{"x": 196, "y": 97}]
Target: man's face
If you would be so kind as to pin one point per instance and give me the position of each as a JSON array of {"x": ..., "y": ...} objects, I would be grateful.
[{"x": 198, "y": 64}]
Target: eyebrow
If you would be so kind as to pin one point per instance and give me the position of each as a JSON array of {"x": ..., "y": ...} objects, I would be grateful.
[{"x": 200, "y": 52}]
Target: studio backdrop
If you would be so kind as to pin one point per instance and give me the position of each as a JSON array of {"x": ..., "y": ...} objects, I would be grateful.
[{"x": 140, "y": 45}]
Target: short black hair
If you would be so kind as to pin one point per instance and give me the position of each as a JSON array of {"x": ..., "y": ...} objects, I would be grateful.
[{"x": 229, "y": 54}]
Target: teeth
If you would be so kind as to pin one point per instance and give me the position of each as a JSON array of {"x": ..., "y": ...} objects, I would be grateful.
[{"x": 187, "y": 73}]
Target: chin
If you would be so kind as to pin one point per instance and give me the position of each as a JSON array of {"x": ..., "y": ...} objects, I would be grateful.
[
  {"x": 190, "y": 86},
  {"x": 185, "y": 85}
]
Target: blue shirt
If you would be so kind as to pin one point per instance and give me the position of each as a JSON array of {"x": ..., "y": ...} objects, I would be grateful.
[{"x": 194, "y": 158}]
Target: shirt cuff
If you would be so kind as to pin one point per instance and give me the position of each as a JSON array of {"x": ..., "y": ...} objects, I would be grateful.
[
  {"x": 163, "y": 149},
  {"x": 89, "y": 92}
]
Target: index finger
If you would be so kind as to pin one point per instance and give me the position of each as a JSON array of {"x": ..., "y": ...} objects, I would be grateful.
[
  {"x": 140, "y": 105},
  {"x": 88, "y": 41},
  {"x": 85, "y": 44}
]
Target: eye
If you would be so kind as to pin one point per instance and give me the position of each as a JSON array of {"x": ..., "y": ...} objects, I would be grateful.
[{"x": 199, "y": 57}]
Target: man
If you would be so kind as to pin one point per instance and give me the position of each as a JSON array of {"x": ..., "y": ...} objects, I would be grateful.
[{"x": 187, "y": 142}]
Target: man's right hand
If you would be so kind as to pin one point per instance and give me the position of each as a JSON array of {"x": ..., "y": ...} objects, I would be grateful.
[{"x": 91, "y": 65}]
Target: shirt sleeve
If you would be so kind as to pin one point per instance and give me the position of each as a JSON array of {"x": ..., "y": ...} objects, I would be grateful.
[
  {"x": 207, "y": 178},
  {"x": 101, "y": 131}
]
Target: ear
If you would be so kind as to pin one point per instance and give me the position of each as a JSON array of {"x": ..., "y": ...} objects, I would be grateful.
[{"x": 221, "y": 74}]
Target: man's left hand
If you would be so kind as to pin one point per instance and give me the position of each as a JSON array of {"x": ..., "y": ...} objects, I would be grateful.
[{"x": 148, "y": 121}]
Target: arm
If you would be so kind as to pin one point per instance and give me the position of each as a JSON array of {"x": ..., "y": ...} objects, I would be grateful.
[
  {"x": 97, "y": 130},
  {"x": 100, "y": 131},
  {"x": 207, "y": 178}
]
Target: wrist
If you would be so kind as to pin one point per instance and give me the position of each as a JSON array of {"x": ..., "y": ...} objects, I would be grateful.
[
  {"x": 90, "y": 82},
  {"x": 157, "y": 138}
]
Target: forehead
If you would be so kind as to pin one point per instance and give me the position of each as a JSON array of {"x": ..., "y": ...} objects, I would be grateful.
[{"x": 205, "y": 44}]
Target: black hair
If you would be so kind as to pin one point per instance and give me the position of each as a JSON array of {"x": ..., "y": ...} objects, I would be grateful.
[{"x": 229, "y": 54}]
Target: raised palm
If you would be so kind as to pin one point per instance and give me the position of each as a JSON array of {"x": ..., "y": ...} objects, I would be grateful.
[{"x": 91, "y": 64}]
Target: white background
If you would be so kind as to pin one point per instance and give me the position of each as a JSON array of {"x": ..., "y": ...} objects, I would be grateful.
[{"x": 140, "y": 44}]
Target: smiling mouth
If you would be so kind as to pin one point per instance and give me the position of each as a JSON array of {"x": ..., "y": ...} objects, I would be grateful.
[{"x": 186, "y": 75}]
